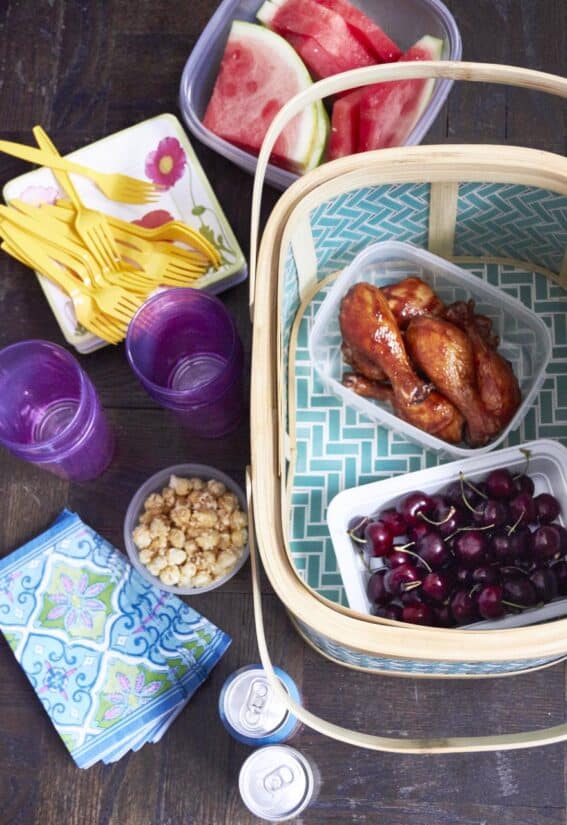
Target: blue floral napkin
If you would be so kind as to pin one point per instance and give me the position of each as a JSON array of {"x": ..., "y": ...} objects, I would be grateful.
[{"x": 112, "y": 658}]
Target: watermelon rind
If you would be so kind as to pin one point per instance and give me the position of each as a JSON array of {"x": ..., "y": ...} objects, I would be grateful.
[
  {"x": 434, "y": 47},
  {"x": 308, "y": 120},
  {"x": 266, "y": 12},
  {"x": 321, "y": 138}
]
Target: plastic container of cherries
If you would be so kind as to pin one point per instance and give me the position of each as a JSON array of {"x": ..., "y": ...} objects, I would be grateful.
[{"x": 479, "y": 542}]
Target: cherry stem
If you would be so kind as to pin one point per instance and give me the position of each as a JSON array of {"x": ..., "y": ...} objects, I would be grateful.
[
  {"x": 356, "y": 538},
  {"x": 411, "y": 553},
  {"x": 403, "y": 547},
  {"x": 357, "y": 527},
  {"x": 516, "y": 606},
  {"x": 449, "y": 515},
  {"x": 511, "y": 529},
  {"x": 410, "y": 586},
  {"x": 465, "y": 499},
  {"x": 364, "y": 560},
  {"x": 527, "y": 455},
  {"x": 468, "y": 529}
]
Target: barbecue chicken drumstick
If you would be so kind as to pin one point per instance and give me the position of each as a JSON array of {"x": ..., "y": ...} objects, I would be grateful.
[{"x": 445, "y": 354}]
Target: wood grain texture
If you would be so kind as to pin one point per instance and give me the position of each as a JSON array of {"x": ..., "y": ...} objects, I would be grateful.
[{"x": 100, "y": 66}]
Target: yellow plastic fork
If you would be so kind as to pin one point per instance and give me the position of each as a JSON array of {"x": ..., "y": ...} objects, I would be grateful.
[
  {"x": 112, "y": 300},
  {"x": 90, "y": 224},
  {"x": 170, "y": 231},
  {"x": 43, "y": 225},
  {"x": 116, "y": 187},
  {"x": 85, "y": 309}
]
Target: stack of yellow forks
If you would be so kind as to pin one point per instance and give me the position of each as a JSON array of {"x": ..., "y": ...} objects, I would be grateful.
[{"x": 106, "y": 266}]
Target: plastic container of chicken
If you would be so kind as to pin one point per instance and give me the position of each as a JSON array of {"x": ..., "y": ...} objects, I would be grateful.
[{"x": 524, "y": 339}]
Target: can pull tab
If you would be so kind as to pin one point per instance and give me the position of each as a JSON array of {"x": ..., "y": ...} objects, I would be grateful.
[
  {"x": 278, "y": 779},
  {"x": 256, "y": 702}
]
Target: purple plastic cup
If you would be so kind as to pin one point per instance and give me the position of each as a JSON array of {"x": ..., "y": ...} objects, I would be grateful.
[
  {"x": 50, "y": 413},
  {"x": 184, "y": 348}
]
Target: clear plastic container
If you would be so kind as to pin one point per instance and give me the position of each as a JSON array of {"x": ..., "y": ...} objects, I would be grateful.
[
  {"x": 155, "y": 484},
  {"x": 547, "y": 468},
  {"x": 524, "y": 338},
  {"x": 403, "y": 22}
]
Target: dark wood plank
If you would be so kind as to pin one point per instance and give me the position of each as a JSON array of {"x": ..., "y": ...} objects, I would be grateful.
[{"x": 98, "y": 67}]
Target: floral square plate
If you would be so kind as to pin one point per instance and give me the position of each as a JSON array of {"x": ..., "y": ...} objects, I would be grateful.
[{"x": 156, "y": 149}]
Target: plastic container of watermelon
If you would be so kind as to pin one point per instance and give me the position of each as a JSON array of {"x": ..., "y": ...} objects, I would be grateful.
[{"x": 404, "y": 22}]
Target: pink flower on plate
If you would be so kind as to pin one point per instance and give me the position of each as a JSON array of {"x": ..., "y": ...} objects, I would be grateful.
[
  {"x": 166, "y": 164},
  {"x": 40, "y": 194},
  {"x": 157, "y": 217}
]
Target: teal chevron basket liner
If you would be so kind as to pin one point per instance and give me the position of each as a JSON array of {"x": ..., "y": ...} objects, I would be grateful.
[{"x": 511, "y": 235}]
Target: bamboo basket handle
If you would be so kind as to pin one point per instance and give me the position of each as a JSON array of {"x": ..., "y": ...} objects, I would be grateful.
[
  {"x": 389, "y": 744},
  {"x": 451, "y": 70}
]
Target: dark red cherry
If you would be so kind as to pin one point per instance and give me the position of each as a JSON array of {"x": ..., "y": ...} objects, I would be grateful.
[
  {"x": 499, "y": 548},
  {"x": 413, "y": 596},
  {"x": 549, "y": 542},
  {"x": 545, "y": 582},
  {"x": 470, "y": 548},
  {"x": 397, "y": 556},
  {"x": 488, "y": 574},
  {"x": 520, "y": 592},
  {"x": 491, "y": 512},
  {"x": 464, "y": 577},
  {"x": 391, "y": 611},
  {"x": 443, "y": 615},
  {"x": 462, "y": 494},
  {"x": 463, "y": 607},
  {"x": 397, "y": 579},
  {"x": 394, "y": 520},
  {"x": 356, "y": 527},
  {"x": 418, "y": 614},
  {"x": 521, "y": 543},
  {"x": 375, "y": 589},
  {"x": 438, "y": 585},
  {"x": 418, "y": 531},
  {"x": 524, "y": 484},
  {"x": 433, "y": 550},
  {"x": 489, "y": 602},
  {"x": 522, "y": 509},
  {"x": 379, "y": 538},
  {"x": 500, "y": 484},
  {"x": 453, "y": 519},
  {"x": 547, "y": 508},
  {"x": 414, "y": 504},
  {"x": 560, "y": 570}
]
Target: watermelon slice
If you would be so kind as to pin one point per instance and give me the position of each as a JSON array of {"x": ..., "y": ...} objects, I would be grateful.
[
  {"x": 320, "y": 36},
  {"x": 365, "y": 30},
  {"x": 260, "y": 72},
  {"x": 344, "y": 125},
  {"x": 389, "y": 111}
]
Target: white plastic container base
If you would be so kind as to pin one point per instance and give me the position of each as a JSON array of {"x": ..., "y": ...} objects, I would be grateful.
[
  {"x": 404, "y": 22},
  {"x": 154, "y": 484},
  {"x": 547, "y": 468},
  {"x": 524, "y": 338}
]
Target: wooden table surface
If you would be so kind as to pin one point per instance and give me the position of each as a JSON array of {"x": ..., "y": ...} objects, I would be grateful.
[{"x": 84, "y": 70}]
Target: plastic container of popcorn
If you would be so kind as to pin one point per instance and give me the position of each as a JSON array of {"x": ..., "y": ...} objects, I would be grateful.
[{"x": 155, "y": 484}]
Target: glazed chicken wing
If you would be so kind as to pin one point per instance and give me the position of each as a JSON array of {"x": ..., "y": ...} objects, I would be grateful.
[
  {"x": 445, "y": 355},
  {"x": 410, "y": 298},
  {"x": 435, "y": 415},
  {"x": 497, "y": 384},
  {"x": 362, "y": 364},
  {"x": 463, "y": 315}
]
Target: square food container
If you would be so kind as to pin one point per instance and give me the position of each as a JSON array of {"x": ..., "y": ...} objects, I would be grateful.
[
  {"x": 547, "y": 468},
  {"x": 524, "y": 338},
  {"x": 189, "y": 198},
  {"x": 404, "y": 22}
]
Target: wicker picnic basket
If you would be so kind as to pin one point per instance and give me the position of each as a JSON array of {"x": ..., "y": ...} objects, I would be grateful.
[{"x": 499, "y": 210}]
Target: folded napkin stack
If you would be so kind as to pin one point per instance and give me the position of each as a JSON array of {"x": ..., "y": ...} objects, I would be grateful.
[{"x": 112, "y": 658}]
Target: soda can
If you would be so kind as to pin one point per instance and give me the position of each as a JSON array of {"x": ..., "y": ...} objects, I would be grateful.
[
  {"x": 277, "y": 783},
  {"x": 251, "y": 712}
]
